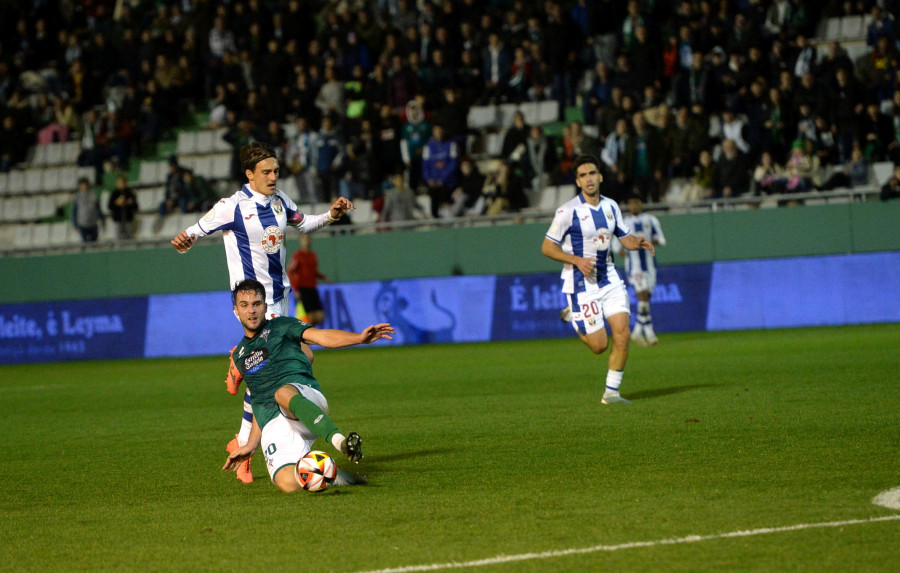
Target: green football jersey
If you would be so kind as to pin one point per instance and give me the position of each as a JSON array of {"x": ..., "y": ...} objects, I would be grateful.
[{"x": 271, "y": 359}]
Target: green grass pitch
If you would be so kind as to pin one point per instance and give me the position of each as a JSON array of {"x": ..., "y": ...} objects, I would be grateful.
[{"x": 474, "y": 452}]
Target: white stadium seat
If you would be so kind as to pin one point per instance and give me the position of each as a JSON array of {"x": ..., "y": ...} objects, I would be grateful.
[
  {"x": 12, "y": 209},
  {"x": 187, "y": 143},
  {"x": 482, "y": 116},
  {"x": 39, "y": 155},
  {"x": 55, "y": 153},
  {"x": 4, "y": 183},
  {"x": 40, "y": 235},
  {"x": 205, "y": 142},
  {"x": 16, "y": 182},
  {"x": 50, "y": 180},
  {"x": 29, "y": 210},
  {"x": 59, "y": 233},
  {"x": 33, "y": 180},
  {"x": 22, "y": 236}
]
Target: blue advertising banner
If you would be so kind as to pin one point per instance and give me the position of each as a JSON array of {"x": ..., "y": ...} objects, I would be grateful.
[
  {"x": 448, "y": 309},
  {"x": 195, "y": 324},
  {"x": 73, "y": 330}
]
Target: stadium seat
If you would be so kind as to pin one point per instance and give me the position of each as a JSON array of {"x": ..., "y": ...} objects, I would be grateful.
[
  {"x": 40, "y": 235},
  {"x": 493, "y": 144},
  {"x": 22, "y": 236},
  {"x": 4, "y": 183},
  {"x": 548, "y": 199},
  {"x": 58, "y": 233},
  {"x": 505, "y": 114},
  {"x": 147, "y": 227},
  {"x": 46, "y": 206},
  {"x": 531, "y": 111},
  {"x": 71, "y": 151},
  {"x": 29, "y": 209},
  {"x": 481, "y": 116},
  {"x": 219, "y": 144},
  {"x": 566, "y": 192},
  {"x": 39, "y": 155},
  {"x": 548, "y": 111},
  {"x": 148, "y": 199},
  {"x": 882, "y": 172},
  {"x": 852, "y": 28},
  {"x": 16, "y": 182},
  {"x": 50, "y": 181},
  {"x": 832, "y": 29},
  {"x": 186, "y": 143},
  {"x": 221, "y": 166},
  {"x": 12, "y": 209},
  {"x": 152, "y": 173},
  {"x": 33, "y": 180},
  {"x": 55, "y": 153},
  {"x": 205, "y": 142},
  {"x": 289, "y": 186},
  {"x": 363, "y": 212}
]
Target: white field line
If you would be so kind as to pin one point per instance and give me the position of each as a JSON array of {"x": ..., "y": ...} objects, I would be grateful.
[{"x": 633, "y": 545}]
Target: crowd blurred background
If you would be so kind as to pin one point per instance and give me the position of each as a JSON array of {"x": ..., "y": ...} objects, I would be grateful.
[{"x": 731, "y": 97}]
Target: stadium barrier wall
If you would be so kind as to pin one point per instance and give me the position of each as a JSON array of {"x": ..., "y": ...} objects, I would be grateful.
[
  {"x": 490, "y": 250},
  {"x": 756, "y": 294}
]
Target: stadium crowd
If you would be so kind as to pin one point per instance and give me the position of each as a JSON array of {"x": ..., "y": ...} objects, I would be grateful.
[{"x": 730, "y": 95}]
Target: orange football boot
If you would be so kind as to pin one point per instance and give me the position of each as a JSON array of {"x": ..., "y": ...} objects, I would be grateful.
[
  {"x": 243, "y": 470},
  {"x": 234, "y": 377}
]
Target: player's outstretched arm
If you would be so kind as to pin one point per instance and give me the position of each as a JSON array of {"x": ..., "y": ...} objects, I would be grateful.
[
  {"x": 332, "y": 338},
  {"x": 339, "y": 207},
  {"x": 245, "y": 451},
  {"x": 182, "y": 242}
]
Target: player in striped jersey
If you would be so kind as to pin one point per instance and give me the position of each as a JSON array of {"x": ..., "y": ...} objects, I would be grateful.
[
  {"x": 252, "y": 222},
  {"x": 640, "y": 267},
  {"x": 580, "y": 237}
]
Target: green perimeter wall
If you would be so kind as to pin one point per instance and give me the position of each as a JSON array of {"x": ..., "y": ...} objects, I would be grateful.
[{"x": 503, "y": 249}]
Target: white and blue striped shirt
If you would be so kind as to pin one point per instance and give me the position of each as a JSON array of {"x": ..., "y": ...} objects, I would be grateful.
[
  {"x": 252, "y": 226},
  {"x": 586, "y": 231},
  {"x": 643, "y": 226}
]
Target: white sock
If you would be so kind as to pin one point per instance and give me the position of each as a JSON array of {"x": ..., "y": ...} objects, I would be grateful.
[
  {"x": 337, "y": 440},
  {"x": 246, "y": 421},
  {"x": 613, "y": 381}
]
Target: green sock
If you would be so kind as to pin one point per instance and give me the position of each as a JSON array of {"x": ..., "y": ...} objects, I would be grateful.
[{"x": 312, "y": 417}]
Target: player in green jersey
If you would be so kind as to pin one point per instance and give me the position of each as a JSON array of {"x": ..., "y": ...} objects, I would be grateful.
[{"x": 289, "y": 410}]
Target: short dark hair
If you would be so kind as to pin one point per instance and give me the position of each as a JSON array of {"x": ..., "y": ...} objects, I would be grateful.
[
  {"x": 253, "y": 153},
  {"x": 584, "y": 160},
  {"x": 248, "y": 285}
]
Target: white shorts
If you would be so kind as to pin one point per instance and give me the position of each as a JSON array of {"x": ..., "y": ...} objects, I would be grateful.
[
  {"x": 591, "y": 308},
  {"x": 643, "y": 281},
  {"x": 285, "y": 441}
]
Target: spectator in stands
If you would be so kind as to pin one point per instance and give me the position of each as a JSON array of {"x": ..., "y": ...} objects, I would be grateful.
[
  {"x": 86, "y": 214},
  {"x": 467, "y": 198},
  {"x": 702, "y": 184},
  {"x": 876, "y": 132},
  {"x": 440, "y": 161},
  {"x": 732, "y": 172},
  {"x": 854, "y": 173},
  {"x": 414, "y": 135},
  {"x": 891, "y": 188},
  {"x": 540, "y": 159},
  {"x": 504, "y": 192},
  {"x": 12, "y": 152},
  {"x": 199, "y": 195},
  {"x": 364, "y": 157},
  {"x": 399, "y": 201},
  {"x": 644, "y": 161},
  {"x": 803, "y": 168},
  {"x": 496, "y": 61},
  {"x": 598, "y": 92},
  {"x": 881, "y": 25},
  {"x": 328, "y": 158},
  {"x": 174, "y": 197},
  {"x": 513, "y": 148},
  {"x": 769, "y": 177},
  {"x": 123, "y": 207}
]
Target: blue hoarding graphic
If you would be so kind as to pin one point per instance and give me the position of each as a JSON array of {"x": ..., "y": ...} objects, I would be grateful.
[{"x": 73, "y": 330}]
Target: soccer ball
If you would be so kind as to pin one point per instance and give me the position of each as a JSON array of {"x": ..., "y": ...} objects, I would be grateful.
[{"x": 315, "y": 471}]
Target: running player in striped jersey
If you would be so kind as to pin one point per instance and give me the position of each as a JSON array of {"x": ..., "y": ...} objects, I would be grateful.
[
  {"x": 640, "y": 267},
  {"x": 580, "y": 237},
  {"x": 252, "y": 222}
]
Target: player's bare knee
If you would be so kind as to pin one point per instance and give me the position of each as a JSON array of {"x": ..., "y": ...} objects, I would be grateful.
[{"x": 284, "y": 394}]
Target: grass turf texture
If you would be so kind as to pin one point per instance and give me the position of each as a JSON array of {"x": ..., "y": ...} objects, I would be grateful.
[{"x": 472, "y": 451}]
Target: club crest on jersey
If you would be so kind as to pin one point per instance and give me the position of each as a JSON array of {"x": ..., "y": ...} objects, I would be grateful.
[
  {"x": 265, "y": 334},
  {"x": 255, "y": 360},
  {"x": 601, "y": 239},
  {"x": 272, "y": 238},
  {"x": 277, "y": 206},
  {"x": 210, "y": 215}
]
